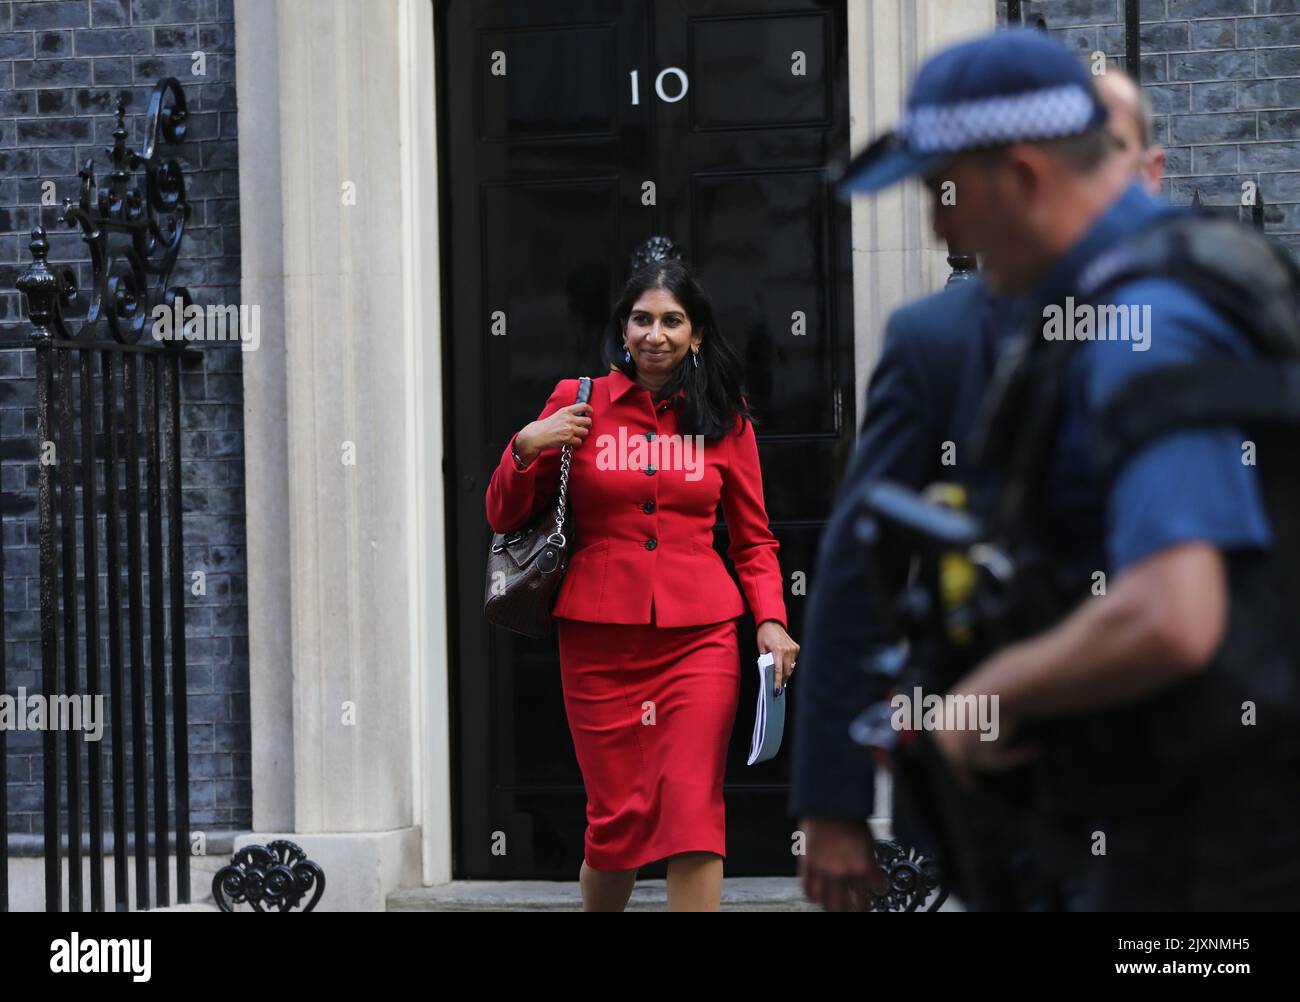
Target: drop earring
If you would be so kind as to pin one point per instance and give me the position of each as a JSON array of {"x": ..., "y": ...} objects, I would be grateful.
[
  {"x": 695, "y": 357},
  {"x": 627, "y": 354}
]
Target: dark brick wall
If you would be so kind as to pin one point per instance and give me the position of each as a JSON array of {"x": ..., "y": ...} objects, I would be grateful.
[
  {"x": 1224, "y": 80},
  {"x": 63, "y": 64}
]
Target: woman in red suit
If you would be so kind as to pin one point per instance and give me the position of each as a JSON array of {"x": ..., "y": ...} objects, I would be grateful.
[{"x": 647, "y": 616}]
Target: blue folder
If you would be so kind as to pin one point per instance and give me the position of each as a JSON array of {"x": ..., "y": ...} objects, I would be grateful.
[{"x": 769, "y": 717}]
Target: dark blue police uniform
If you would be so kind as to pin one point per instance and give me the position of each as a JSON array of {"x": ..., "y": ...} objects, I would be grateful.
[
  {"x": 1187, "y": 486},
  {"x": 1170, "y": 827}
]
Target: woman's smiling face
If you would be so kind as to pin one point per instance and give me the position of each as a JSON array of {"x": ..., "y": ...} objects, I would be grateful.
[{"x": 658, "y": 332}]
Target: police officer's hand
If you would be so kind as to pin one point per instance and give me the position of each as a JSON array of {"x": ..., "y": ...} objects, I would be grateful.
[
  {"x": 967, "y": 752},
  {"x": 838, "y": 868}
]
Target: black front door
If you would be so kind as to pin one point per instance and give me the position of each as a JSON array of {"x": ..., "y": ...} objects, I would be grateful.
[{"x": 570, "y": 133}]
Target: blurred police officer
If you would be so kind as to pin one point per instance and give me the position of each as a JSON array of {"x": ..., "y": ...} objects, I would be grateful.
[
  {"x": 1160, "y": 787},
  {"x": 925, "y": 390},
  {"x": 921, "y": 402}
]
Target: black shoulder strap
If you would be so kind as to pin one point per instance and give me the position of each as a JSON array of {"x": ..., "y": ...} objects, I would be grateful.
[
  {"x": 1016, "y": 425},
  {"x": 1235, "y": 268},
  {"x": 1237, "y": 271},
  {"x": 1248, "y": 279},
  {"x": 1249, "y": 392}
]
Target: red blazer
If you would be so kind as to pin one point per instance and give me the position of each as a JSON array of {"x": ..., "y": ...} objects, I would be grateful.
[{"x": 644, "y": 533}]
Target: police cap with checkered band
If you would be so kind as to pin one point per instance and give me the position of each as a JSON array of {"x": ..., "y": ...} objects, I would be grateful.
[{"x": 1015, "y": 85}]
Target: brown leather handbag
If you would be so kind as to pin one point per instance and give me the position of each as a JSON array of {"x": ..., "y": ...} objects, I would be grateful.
[{"x": 525, "y": 567}]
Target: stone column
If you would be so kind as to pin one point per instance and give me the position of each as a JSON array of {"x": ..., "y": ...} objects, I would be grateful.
[
  {"x": 342, "y": 410},
  {"x": 895, "y": 256}
]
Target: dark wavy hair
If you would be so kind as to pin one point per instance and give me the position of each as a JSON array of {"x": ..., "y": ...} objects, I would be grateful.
[{"x": 714, "y": 389}]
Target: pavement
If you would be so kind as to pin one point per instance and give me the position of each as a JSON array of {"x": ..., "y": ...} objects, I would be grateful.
[{"x": 739, "y": 894}]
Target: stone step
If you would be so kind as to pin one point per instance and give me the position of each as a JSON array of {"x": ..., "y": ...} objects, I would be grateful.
[{"x": 765, "y": 894}]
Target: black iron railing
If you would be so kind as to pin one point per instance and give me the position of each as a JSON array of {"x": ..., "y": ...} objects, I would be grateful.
[
  {"x": 117, "y": 405},
  {"x": 1021, "y": 12}
]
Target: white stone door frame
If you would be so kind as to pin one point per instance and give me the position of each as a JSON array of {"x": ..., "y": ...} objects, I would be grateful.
[
  {"x": 421, "y": 184},
  {"x": 895, "y": 256}
]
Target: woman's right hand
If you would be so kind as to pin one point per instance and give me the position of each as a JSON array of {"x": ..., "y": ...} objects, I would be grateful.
[{"x": 567, "y": 426}]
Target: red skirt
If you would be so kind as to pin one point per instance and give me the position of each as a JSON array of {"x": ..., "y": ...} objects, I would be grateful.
[{"x": 651, "y": 710}]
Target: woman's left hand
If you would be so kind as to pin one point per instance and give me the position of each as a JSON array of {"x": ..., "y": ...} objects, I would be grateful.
[{"x": 772, "y": 637}]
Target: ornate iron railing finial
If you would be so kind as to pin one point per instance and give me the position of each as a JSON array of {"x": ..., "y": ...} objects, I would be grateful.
[
  {"x": 130, "y": 275},
  {"x": 276, "y": 876}
]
